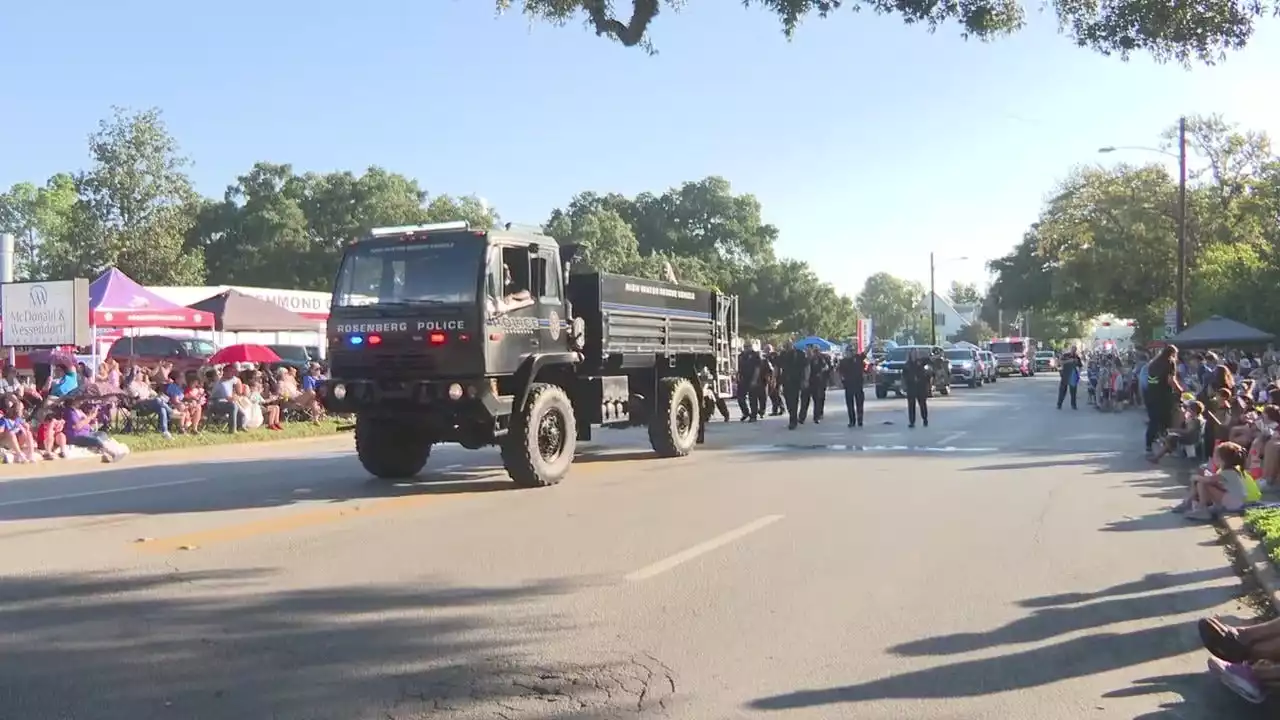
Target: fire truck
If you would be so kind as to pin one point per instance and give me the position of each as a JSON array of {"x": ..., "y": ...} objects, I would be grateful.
[{"x": 1015, "y": 356}]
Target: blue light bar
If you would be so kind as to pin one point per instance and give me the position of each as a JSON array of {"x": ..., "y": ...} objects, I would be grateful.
[{"x": 356, "y": 340}]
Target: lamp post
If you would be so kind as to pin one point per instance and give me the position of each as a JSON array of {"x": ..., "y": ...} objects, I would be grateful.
[
  {"x": 1180, "y": 307},
  {"x": 933, "y": 299}
]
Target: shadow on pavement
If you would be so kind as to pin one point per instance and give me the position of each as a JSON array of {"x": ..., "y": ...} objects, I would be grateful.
[
  {"x": 260, "y": 483},
  {"x": 215, "y": 645},
  {"x": 1047, "y": 623},
  {"x": 1078, "y": 657},
  {"x": 1150, "y": 583}
]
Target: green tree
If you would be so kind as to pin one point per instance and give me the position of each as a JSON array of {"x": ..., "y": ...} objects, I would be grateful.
[
  {"x": 786, "y": 297},
  {"x": 976, "y": 332},
  {"x": 892, "y": 303},
  {"x": 274, "y": 227},
  {"x": 1181, "y": 32},
  {"x": 35, "y": 215},
  {"x": 605, "y": 241},
  {"x": 964, "y": 293},
  {"x": 133, "y": 208}
]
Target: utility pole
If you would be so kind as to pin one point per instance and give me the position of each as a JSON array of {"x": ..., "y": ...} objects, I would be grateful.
[
  {"x": 1181, "y": 308},
  {"x": 933, "y": 309}
]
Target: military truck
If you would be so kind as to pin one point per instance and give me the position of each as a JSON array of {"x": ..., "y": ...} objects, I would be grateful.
[
  {"x": 889, "y": 372},
  {"x": 445, "y": 333}
]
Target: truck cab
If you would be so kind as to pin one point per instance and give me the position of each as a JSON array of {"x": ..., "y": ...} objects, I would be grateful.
[
  {"x": 447, "y": 333},
  {"x": 1015, "y": 356}
]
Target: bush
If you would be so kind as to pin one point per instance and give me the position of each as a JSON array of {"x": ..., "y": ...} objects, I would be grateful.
[{"x": 1265, "y": 524}]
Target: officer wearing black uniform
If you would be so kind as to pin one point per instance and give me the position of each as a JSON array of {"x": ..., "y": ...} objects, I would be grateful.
[
  {"x": 815, "y": 389},
  {"x": 793, "y": 371},
  {"x": 852, "y": 369},
  {"x": 773, "y": 384},
  {"x": 749, "y": 367},
  {"x": 917, "y": 377}
]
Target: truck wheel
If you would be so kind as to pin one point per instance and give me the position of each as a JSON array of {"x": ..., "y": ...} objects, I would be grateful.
[
  {"x": 673, "y": 428},
  {"x": 540, "y": 444},
  {"x": 881, "y": 392},
  {"x": 390, "y": 450}
]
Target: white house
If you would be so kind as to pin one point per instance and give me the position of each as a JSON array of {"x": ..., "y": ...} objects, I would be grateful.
[{"x": 949, "y": 317}]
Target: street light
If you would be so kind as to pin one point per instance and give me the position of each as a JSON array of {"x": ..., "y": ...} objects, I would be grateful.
[
  {"x": 933, "y": 302},
  {"x": 1180, "y": 309}
]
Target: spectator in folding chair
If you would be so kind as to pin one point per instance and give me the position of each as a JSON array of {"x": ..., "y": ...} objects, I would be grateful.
[
  {"x": 145, "y": 401},
  {"x": 222, "y": 399}
]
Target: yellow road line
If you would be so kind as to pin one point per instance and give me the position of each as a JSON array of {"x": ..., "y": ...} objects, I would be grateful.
[
  {"x": 338, "y": 512},
  {"x": 293, "y": 521}
]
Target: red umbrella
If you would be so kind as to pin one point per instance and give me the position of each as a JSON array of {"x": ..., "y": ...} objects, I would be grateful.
[{"x": 244, "y": 354}]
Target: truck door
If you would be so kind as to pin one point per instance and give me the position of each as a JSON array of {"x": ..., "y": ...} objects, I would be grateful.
[
  {"x": 511, "y": 308},
  {"x": 547, "y": 288}
]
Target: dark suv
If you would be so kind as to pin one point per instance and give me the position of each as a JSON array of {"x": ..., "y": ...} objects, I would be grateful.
[
  {"x": 889, "y": 372},
  {"x": 187, "y": 354}
]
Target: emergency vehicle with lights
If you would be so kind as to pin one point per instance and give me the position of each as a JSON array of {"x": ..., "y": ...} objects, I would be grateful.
[
  {"x": 1015, "y": 356},
  {"x": 446, "y": 333}
]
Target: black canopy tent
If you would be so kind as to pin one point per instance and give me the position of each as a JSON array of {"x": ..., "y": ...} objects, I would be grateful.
[
  {"x": 1218, "y": 331},
  {"x": 234, "y": 311}
]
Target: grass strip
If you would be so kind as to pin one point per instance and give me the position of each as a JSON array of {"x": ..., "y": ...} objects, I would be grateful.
[{"x": 148, "y": 441}]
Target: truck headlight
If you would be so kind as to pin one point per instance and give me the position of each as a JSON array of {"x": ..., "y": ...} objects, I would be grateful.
[{"x": 339, "y": 391}]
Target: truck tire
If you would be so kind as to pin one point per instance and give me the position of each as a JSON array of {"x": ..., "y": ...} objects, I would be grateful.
[
  {"x": 542, "y": 440},
  {"x": 881, "y": 392},
  {"x": 673, "y": 427},
  {"x": 390, "y": 450}
]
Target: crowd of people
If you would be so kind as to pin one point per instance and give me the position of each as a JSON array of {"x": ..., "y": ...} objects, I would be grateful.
[
  {"x": 74, "y": 410},
  {"x": 794, "y": 380}
]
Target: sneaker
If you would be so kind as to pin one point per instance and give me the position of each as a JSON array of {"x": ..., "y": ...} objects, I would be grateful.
[
  {"x": 1239, "y": 678},
  {"x": 167, "y": 436},
  {"x": 1201, "y": 514}
]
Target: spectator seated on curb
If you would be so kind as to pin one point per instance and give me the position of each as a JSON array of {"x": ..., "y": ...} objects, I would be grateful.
[
  {"x": 1187, "y": 435},
  {"x": 1227, "y": 490},
  {"x": 1246, "y": 659},
  {"x": 15, "y": 433},
  {"x": 81, "y": 431}
]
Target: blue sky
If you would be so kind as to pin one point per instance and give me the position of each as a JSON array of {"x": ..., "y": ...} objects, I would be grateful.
[{"x": 868, "y": 143}]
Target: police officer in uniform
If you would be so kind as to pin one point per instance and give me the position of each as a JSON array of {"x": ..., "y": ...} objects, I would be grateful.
[
  {"x": 815, "y": 389},
  {"x": 793, "y": 371},
  {"x": 917, "y": 377},
  {"x": 749, "y": 366},
  {"x": 773, "y": 384},
  {"x": 852, "y": 371}
]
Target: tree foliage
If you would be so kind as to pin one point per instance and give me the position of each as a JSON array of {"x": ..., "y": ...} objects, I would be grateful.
[
  {"x": 1107, "y": 239},
  {"x": 135, "y": 209},
  {"x": 976, "y": 333},
  {"x": 892, "y": 303},
  {"x": 711, "y": 237},
  {"x": 964, "y": 293},
  {"x": 1168, "y": 31}
]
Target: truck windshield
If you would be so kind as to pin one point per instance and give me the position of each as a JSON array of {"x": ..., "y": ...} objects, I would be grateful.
[
  {"x": 433, "y": 272},
  {"x": 1008, "y": 348}
]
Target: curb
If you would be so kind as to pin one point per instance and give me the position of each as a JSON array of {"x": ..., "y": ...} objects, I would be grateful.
[{"x": 1255, "y": 558}]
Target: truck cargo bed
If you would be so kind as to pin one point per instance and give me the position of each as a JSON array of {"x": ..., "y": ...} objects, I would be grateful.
[{"x": 626, "y": 315}]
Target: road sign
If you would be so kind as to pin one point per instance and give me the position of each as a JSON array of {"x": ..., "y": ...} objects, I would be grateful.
[{"x": 1170, "y": 322}]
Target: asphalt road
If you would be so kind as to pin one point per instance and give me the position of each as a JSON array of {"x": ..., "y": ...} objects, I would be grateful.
[{"x": 1009, "y": 561}]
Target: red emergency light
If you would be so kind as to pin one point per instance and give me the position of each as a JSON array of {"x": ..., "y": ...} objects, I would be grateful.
[{"x": 436, "y": 338}]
